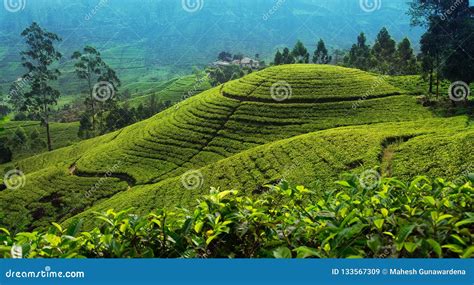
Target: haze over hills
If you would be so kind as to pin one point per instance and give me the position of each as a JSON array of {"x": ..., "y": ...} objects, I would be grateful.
[{"x": 159, "y": 40}]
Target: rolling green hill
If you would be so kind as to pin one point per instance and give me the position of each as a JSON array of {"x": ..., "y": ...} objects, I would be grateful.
[
  {"x": 305, "y": 123},
  {"x": 64, "y": 134}
]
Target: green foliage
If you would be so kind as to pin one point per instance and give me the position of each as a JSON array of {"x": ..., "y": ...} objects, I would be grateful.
[
  {"x": 443, "y": 45},
  {"x": 423, "y": 218},
  {"x": 384, "y": 52},
  {"x": 38, "y": 60},
  {"x": 336, "y": 120},
  {"x": 405, "y": 58},
  {"x": 300, "y": 53},
  {"x": 321, "y": 54},
  {"x": 64, "y": 134},
  {"x": 385, "y": 57}
]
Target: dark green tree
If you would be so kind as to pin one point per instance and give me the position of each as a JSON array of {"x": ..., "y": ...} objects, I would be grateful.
[
  {"x": 384, "y": 52},
  {"x": 224, "y": 56},
  {"x": 5, "y": 151},
  {"x": 405, "y": 58},
  {"x": 19, "y": 139},
  {"x": 91, "y": 67},
  {"x": 359, "y": 56},
  {"x": 300, "y": 53},
  {"x": 278, "y": 58},
  {"x": 85, "y": 126},
  {"x": 38, "y": 59},
  {"x": 321, "y": 55},
  {"x": 287, "y": 57},
  {"x": 445, "y": 46},
  {"x": 118, "y": 117}
]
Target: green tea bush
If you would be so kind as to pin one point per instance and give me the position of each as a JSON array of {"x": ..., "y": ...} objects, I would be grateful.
[{"x": 423, "y": 218}]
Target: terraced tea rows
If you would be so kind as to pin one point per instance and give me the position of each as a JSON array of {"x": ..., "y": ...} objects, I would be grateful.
[
  {"x": 316, "y": 159},
  {"x": 312, "y": 84},
  {"x": 173, "y": 90},
  {"x": 237, "y": 135}
]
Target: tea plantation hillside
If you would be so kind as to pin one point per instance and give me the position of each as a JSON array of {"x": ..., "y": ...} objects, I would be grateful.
[
  {"x": 34, "y": 141},
  {"x": 173, "y": 90},
  {"x": 308, "y": 123}
]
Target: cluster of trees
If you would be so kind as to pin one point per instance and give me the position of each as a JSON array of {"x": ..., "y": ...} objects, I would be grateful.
[
  {"x": 33, "y": 96},
  {"x": 223, "y": 74},
  {"x": 34, "y": 93},
  {"x": 300, "y": 54},
  {"x": 447, "y": 48},
  {"x": 119, "y": 116},
  {"x": 385, "y": 56},
  {"x": 18, "y": 141}
]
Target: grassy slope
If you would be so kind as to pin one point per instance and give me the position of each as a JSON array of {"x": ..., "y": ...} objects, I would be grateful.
[
  {"x": 237, "y": 136},
  {"x": 63, "y": 134}
]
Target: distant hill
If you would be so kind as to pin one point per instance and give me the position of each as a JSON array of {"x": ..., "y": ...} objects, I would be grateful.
[
  {"x": 158, "y": 40},
  {"x": 322, "y": 120}
]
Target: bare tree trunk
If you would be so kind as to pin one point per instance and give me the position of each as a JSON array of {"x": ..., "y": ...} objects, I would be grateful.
[
  {"x": 431, "y": 82},
  {"x": 91, "y": 95},
  {"x": 48, "y": 135},
  {"x": 437, "y": 85}
]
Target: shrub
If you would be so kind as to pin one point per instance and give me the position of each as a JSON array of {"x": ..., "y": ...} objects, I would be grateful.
[{"x": 424, "y": 218}]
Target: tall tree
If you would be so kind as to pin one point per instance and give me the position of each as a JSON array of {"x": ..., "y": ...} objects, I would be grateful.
[
  {"x": 359, "y": 56},
  {"x": 321, "y": 55},
  {"x": 300, "y": 53},
  {"x": 91, "y": 68},
  {"x": 278, "y": 58},
  {"x": 405, "y": 58},
  {"x": 446, "y": 45},
  {"x": 287, "y": 57},
  {"x": 384, "y": 52},
  {"x": 38, "y": 59}
]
